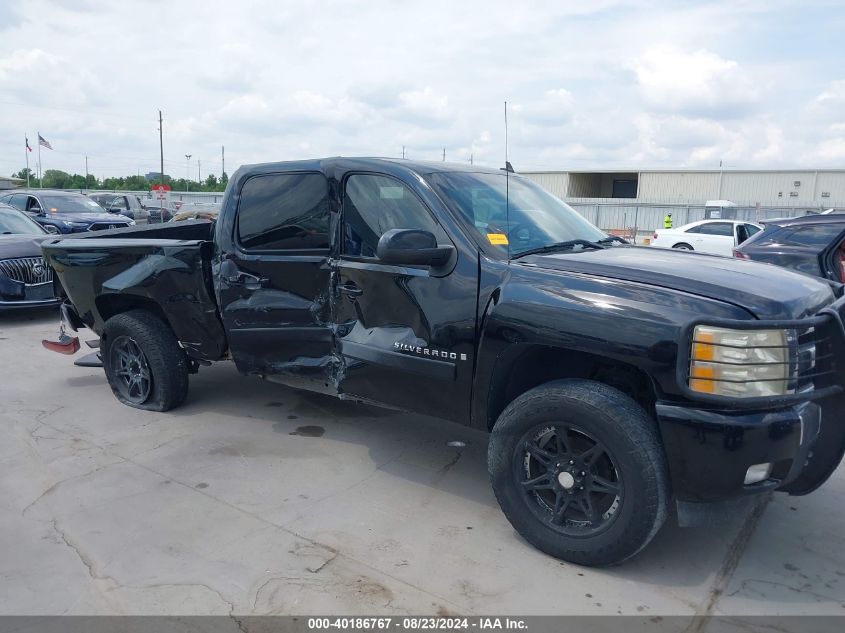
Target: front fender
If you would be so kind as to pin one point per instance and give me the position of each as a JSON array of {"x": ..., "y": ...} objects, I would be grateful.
[{"x": 631, "y": 323}]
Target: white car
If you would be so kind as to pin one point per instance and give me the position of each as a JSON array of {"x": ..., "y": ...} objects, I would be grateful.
[{"x": 718, "y": 237}]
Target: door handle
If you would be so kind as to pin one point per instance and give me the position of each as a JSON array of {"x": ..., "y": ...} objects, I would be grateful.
[
  {"x": 251, "y": 282},
  {"x": 351, "y": 290}
]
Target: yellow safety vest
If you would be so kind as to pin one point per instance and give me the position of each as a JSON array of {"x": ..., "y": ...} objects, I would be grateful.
[{"x": 667, "y": 222}]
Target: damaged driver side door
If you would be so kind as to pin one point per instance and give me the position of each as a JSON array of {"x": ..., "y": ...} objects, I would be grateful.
[{"x": 404, "y": 333}]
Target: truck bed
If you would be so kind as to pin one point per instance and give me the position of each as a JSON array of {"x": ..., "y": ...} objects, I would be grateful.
[{"x": 162, "y": 268}]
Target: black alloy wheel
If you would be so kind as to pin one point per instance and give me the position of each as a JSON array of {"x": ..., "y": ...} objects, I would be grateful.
[
  {"x": 134, "y": 379},
  {"x": 569, "y": 479}
]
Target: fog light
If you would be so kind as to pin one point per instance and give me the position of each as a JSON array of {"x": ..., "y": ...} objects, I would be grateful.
[{"x": 758, "y": 473}]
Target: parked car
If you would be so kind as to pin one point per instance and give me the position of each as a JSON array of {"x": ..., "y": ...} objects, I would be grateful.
[
  {"x": 813, "y": 244},
  {"x": 25, "y": 280},
  {"x": 613, "y": 379},
  {"x": 717, "y": 237},
  {"x": 123, "y": 203},
  {"x": 197, "y": 211},
  {"x": 67, "y": 212},
  {"x": 159, "y": 211}
]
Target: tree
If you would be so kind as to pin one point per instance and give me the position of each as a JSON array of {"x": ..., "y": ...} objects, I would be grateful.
[{"x": 56, "y": 179}]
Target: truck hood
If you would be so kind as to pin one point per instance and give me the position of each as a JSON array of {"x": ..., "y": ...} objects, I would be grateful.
[{"x": 766, "y": 291}]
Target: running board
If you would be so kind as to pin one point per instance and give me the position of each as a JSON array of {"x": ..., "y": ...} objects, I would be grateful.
[{"x": 89, "y": 360}]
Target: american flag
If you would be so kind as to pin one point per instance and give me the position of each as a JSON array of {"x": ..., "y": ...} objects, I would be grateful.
[
  {"x": 44, "y": 142},
  {"x": 28, "y": 148}
]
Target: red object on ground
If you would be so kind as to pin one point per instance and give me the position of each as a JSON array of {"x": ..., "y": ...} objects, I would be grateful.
[{"x": 65, "y": 345}]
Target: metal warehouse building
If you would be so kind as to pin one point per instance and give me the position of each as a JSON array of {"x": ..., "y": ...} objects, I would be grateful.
[{"x": 636, "y": 201}]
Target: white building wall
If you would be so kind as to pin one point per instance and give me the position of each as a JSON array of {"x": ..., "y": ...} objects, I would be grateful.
[
  {"x": 556, "y": 183},
  {"x": 678, "y": 186},
  {"x": 745, "y": 188},
  {"x": 832, "y": 183},
  {"x": 750, "y": 188}
]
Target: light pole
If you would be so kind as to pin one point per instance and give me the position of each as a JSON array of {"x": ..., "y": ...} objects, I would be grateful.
[{"x": 187, "y": 170}]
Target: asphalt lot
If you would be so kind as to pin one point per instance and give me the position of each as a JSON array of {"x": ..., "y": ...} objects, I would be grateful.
[{"x": 257, "y": 499}]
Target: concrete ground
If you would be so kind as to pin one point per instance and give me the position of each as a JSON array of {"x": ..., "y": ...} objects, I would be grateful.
[{"x": 257, "y": 499}]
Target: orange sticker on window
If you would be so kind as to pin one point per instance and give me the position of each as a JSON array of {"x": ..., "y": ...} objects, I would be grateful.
[{"x": 497, "y": 238}]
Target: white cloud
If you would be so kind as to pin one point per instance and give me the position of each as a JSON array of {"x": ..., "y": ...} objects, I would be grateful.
[
  {"x": 695, "y": 82},
  {"x": 612, "y": 83}
]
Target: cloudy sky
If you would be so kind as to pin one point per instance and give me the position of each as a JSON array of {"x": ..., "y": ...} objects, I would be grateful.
[{"x": 603, "y": 83}]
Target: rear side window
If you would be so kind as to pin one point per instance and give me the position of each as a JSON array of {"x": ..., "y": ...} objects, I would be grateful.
[
  {"x": 813, "y": 236},
  {"x": 717, "y": 228},
  {"x": 284, "y": 212}
]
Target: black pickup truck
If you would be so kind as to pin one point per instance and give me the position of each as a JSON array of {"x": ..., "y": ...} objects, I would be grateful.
[{"x": 613, "y": 379}]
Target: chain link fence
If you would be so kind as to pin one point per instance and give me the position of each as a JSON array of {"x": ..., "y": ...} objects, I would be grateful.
[{"x": 640, "y": 220}]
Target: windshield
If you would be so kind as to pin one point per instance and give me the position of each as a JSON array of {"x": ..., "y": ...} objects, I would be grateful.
[
  {"x": 15, "y": 222},
  {"x": 70, "y": 204},
  {"x": 511, "y": 211}
]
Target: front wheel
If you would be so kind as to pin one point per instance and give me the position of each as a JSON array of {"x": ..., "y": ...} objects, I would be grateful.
[
  {"x": 579, "y": 471},
  {"x": 144, "y": 364}
]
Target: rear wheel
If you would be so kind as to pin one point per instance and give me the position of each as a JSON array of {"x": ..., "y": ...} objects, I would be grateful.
[
  {"x": 579, "y": 471},
  {"x": 683, "y": 246},
  {"x": 144, "y": 364}
]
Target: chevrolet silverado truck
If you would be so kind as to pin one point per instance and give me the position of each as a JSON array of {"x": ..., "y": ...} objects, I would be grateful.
[{"x": 614, "y": 380}]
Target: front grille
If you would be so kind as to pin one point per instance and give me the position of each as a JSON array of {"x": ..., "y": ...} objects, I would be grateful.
[
  {"x": 27, "y": 270},
  {"x": 104, "y": 226},
  {"x": 825, "y": 371}
]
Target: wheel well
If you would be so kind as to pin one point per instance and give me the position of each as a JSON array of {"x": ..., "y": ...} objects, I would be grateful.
[
  {"x": 537, "y": 365},
  {"x": 688, "y": 245},
  {"x": 111, "y": 305}
]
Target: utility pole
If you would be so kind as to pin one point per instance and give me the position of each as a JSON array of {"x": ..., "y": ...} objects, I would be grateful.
[
  {"x": 187, "y": 170},
  {"x": 199, "y": 167},
  {"x": 223, "y": 159},
  {"x": 403, "y": 151},
  {"x": 470, "y": 159},
  {"x": 86, "y": 172},
  {"x": 161, "y": 148},
  {"x": 444, "y": 154}
]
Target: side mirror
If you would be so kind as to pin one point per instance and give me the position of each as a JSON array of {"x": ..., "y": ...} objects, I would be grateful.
[
  {"x": 412, "y": 247},
  {"x": 114, "y": 210}
]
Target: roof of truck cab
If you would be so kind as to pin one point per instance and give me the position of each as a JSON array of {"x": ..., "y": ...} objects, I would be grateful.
[{"x": 358, "y": 163}]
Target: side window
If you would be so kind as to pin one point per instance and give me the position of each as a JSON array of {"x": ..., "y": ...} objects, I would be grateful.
[
  {"x": 19, "y": 201},
  {"x": 372, "y": 205},
  {"x": 118, "y": 202},
  {"x": 816, "y": 235},
  {"x": 32, "y": 205},
  {"x": 752, "y": 230},
  {"x": 718, "y": 228},
  {"x": 284, "y": 212}
]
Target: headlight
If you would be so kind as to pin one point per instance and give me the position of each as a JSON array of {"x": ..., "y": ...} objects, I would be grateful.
[
  {"x": 131, "y": 222},
  {"x": 742, "y": 363},
  {"x": 76, "y": 225}
]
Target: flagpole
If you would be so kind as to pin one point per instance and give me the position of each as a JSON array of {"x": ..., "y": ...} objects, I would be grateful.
[
  {"x": 40, "y": 183},
  {"x": 26, "y": 152}
]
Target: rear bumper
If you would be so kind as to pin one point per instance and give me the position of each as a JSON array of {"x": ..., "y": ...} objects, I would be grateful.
[{"x": 710, "y": 451}]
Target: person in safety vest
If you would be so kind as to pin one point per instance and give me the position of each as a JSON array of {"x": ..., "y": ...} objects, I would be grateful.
[{"x": 667, "y": 221}]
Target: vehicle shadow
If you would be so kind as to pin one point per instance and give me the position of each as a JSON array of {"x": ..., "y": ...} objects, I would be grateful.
[{"x": 678, "y": 557}]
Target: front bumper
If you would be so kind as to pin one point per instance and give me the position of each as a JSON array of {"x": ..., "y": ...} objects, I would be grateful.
[
  {"x": 710, "y": 451},
  {"x": 15, "y": 294}
]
